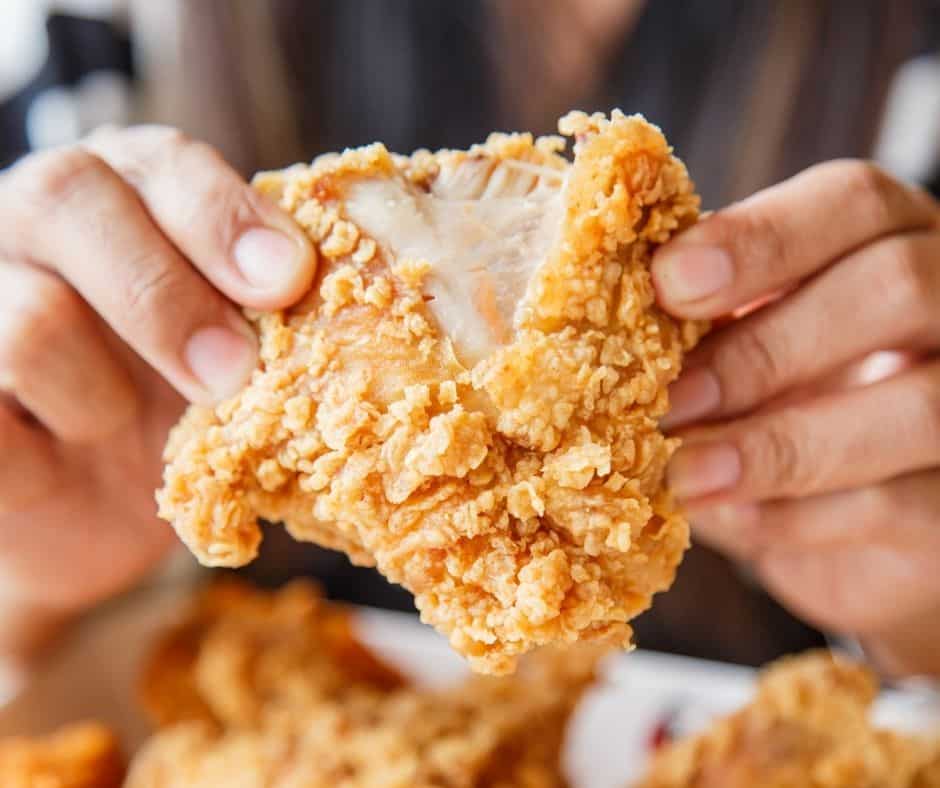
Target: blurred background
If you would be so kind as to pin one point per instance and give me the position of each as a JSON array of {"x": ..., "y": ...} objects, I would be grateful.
[{"x": 748, "y": 91}]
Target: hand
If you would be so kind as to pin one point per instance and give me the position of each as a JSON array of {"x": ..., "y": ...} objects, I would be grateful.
[
  {"x": 827, "y": 484},
  {"x": 121, "y": 261}
]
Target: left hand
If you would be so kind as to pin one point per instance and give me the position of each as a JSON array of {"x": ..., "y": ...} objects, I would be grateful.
[{"x": 827, "y": 485}]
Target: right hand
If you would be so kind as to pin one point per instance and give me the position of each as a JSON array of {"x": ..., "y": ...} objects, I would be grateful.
[{"x": 122, "y": 260}]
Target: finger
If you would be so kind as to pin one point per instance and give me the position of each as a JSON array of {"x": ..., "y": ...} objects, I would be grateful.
[
  {"x": 29, "y": 467},
  {"x": 858, "y": 437},
  {"x": 243, "y": 243},
  {"x": 801, "y": 546},
  {"x": 74, "y": 214},
  {"x": 777, "y": 237},
  {"x": 871, "y": 369},
  {"x": 814, "y": 330},
  {"x": 54, "y": 360}
]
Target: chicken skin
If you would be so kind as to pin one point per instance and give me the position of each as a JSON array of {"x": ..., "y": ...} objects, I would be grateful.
[
  {"x": 276, "y": 692},
  {"x": 808, "y": 727},
  {"x": 468, "y": 398}
]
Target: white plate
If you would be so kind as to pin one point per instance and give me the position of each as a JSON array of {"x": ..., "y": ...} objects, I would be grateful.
[{"x": 93, "y": 677}]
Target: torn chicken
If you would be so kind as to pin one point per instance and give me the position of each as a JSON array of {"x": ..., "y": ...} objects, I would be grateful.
[{"x": 469, "y": 396}]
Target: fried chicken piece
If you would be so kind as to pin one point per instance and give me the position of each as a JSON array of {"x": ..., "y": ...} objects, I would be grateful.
[
  {"x": 279, "y": 720},
  {"x": 469, "y": 397},
  {"x": 808, "y": 727},
  {"x": 493, "y": 732},
  {"x": 83, "y": 755},
  {"x": 240, "y": 649}
]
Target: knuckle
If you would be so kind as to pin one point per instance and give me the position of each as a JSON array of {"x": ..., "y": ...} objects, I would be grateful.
[
  {"x": 776, "y": 460},
  {"x": 163, "y": 137},
  {"x": 44, "y": 312},
  {"x": 157, "y": 287},
  {"x": 929, "y": 396},
  {"x": 51, "y": 295},
  {"x": 757, "y": 237},
  {"x": 188, "y": 155},
  {"x": 233, "y": 213},
  {"x": 145, "y": 142},
  {"x": 751, "y": 235},
  {"x": 151, "y": 149},
  {"x": 220, "y": 202},
  {"x": 871, "y": 184},
  {"x": 105, "y": 134},
  {"x": 879, "y": 503},
  {"x": 225, "y": 208},
  {"x": 47, "y": 179},
  {"x": 759, "y": 356},
  {"x": 764, "y": 229},
  {"x": 910, "y": 279}
]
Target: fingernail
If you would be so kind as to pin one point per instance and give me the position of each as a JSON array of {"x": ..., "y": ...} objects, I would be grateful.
[
  {"x": 221, "y": 359},
  {"x": 686, "y": 272},
  {"x": 695, "y": 394},
  {"x": 268, "y": 260},
  {"x": 704, "y": 469}
]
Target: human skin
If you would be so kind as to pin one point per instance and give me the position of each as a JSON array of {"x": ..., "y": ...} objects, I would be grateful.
[
  {"x": 822, "y": 478},
  {"x": 121, "y": 264},
  {"x": 124, "y": 259}
]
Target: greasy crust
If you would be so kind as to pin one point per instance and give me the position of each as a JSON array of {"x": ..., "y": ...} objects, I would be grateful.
[
  {"x": 518, "y": 496},
  {"x": 280, "y": 716},
  {"x": 82, "y": 755},
  {"x": 808, "y": 727}
]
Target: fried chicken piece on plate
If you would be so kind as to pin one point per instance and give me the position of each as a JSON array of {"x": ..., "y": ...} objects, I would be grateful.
[
  {"x": 808, "y": 727},
  {"x": 469, "y": 396},
  {"x": 282, "y": 717},
  {"x": 82, "y": 755},
  {"x": 239, "y": 650},
  {"x": 503, "y": 732}
]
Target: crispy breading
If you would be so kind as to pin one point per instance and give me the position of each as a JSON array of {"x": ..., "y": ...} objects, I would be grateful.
[
  {"x": 81, "y": 755},
  {"x": 469, "y": 397},
  {"x": 505, "y": 733},
  {"x": 239, "y": 648},
  {"x": 281, "y": 716},
  {"x": 808, "y": 727}
]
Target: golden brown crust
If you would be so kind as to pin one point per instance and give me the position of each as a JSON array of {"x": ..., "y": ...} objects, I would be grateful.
[
  {"x": 283, "y": 717},
  {"x": 514, "y": 485},
  {"x": 808, "y": 727},
  {"x": 81, "y": 755},
  {"x": 239, "y": 648}
]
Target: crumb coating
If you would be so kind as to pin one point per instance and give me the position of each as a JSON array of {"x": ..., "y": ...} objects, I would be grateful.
[
  {"x": 809, "y": 726},
  {"x": 275, "y": 691},
  {"x": 516, "y": 492}
]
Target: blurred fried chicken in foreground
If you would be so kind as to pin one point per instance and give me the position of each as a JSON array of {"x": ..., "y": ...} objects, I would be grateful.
[
  {"x": 82, "y": 755},
  {"x": 286, "y": 697},
  {"x": 469, "y": 397},
  {"x": 241, "y": 649},
  {"x": 808, "y": 727}
]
